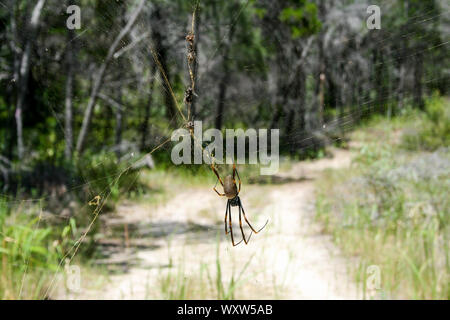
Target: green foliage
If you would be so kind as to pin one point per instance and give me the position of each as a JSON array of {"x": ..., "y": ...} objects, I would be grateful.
[
  {"x": 301, "y": 17},
  {"x": 432, "y": 129},
  {"x": 30, "y": 251}
]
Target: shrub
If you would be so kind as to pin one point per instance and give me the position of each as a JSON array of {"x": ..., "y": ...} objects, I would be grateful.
[{"x": 432, "y": 130}]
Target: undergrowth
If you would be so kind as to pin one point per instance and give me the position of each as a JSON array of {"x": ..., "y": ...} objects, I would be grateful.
[{"x": 391, "y": 208}]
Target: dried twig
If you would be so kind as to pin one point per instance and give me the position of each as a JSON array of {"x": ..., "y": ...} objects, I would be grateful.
[{"x": 191, "y": 60}]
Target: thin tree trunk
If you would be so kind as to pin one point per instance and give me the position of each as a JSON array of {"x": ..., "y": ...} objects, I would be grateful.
[
  {"x": 418, "y": 72},
  {"x": 119, "y": 124},
  {"x": 320, "y": 89},
  {"x": 355, "y": 100},
  {"x": 276, "y": 116},
  {"x": 12, "y": 86},
  {"x": 360, "y": 98},
  {"x": 298, "y": 110},
  {"x": 69, "y": 96},
  {"x": 320, "y": 84},
  {"x": 24, "y": 74},
  {"x": 99, "y": 78},
  {"x": 379, "y": 68},
  {"x": 119, "y": 111},
  {"x": 107, "y": 124},
  {"x": 321, "y": 99},
  {"x": 301, "y": 95},
  {"x": 119, "y": 129},
  {"x": 332, "y": 97},
  {"x": 223, "y": 85},
  {"x": 157, "y": 37},
  {"x": 147, "y": 111},
  {"x": 281, "y": 100},
  {"x": 401, "y": 87}
]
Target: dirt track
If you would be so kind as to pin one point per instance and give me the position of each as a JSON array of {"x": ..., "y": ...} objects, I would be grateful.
[{"x": 289, "y": 259}]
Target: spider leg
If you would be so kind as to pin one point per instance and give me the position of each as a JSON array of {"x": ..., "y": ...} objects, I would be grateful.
[
  {"x": 251, "y": 227},
  {"x": 220, "y": 194},
  {"x": 231, "y": 228},
  {"x": 226, "y": 216},
  {"x": 217, "y": 174},
  {"x": 242, "y": 230}
]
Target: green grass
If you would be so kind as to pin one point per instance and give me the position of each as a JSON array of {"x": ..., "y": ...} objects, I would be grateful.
[
  {"x": 30, "y": 251},
  {"x": 391, "y": 208}
]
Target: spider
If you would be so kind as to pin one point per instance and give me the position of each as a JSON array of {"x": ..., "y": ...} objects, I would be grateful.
[{"x": 231, "y": 191}]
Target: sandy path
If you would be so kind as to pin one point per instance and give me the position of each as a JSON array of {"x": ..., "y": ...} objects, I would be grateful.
[{"x": 290, "y": 259}]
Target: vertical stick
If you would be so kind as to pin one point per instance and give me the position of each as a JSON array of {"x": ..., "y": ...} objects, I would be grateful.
[{"x": 192, "y": 61}]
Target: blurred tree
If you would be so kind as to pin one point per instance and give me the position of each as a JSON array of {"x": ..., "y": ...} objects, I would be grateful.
[
  {"x": 23, "y": 71},
  {"x": 286, "y": 26}
]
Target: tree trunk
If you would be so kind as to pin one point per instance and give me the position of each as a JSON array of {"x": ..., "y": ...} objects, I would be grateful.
[
  {"x": 157, "y": 36},
  {"x": 277, "y": 115},
  {"x": 401, "y": 87},
  {"x": 147, "y": 111},
  {"x": 300, "y": 92},
  {"x": 320, "y": 89},
  {"x": 356, "y": 100},
  {"x": 119, "y": 127},
  {"x": 379, "y": 78},
  {"x": 120, "y": 109},
  {"x": 99, "y": 79},
  {"x": 418, "y": 72},
  {"x": 301, "y": 95},
  {"x": 332, "y": 94},
  {"x": 24, "y": 75},
  {"x": 321, "y": 99},
  {"x": 223, "y": 85},
  {"x": 69, "y": 96}
]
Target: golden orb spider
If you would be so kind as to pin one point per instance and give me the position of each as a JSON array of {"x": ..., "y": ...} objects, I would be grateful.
[{"x": 231, "y": 191}]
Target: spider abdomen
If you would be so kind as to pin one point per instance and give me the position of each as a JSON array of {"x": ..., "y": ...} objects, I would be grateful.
[{"x": 229, "y": 187}]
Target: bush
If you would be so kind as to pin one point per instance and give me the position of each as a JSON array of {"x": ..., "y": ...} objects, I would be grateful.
[{"x": 432, "y": 130}]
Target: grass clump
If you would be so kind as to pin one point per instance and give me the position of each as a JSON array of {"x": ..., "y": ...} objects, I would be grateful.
[{"x": 30, "y": 251}]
